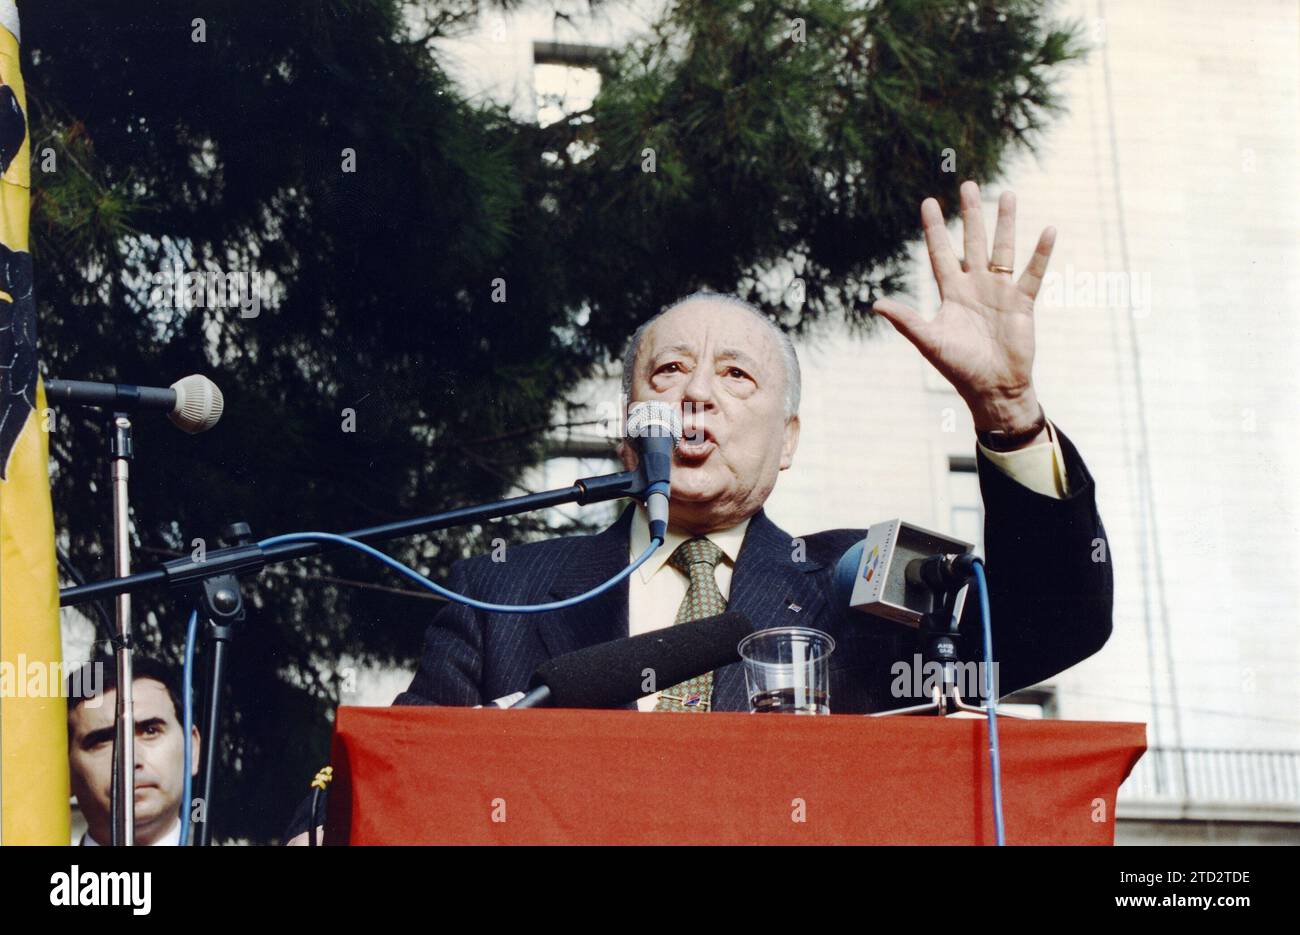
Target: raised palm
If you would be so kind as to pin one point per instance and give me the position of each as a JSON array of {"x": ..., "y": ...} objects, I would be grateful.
[{"x": 982, "y": 338}]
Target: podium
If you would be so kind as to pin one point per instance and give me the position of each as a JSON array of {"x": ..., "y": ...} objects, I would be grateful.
[{"x": 408, "y": 775}]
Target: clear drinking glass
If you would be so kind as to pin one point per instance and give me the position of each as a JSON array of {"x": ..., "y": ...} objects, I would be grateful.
[{"x": 787, "y": 670}]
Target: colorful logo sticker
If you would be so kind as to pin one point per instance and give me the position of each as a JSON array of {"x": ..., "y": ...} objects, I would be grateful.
[{"x": 872, "y": 562}]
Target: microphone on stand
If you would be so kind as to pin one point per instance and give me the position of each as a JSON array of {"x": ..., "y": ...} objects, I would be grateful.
[
  {"x": 909, "y": 575},
  {"x": 193, "y": 404},
  {"x": 610, "y": 675},
  {"x": 896, "y": 571},
  {"x": 655, "y": 428}
]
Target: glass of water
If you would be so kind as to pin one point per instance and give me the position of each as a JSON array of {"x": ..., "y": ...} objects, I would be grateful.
[{"x": 787, "y": 670}]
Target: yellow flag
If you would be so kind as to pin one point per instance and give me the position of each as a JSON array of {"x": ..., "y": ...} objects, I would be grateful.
[{"x": 33, "y": 712}]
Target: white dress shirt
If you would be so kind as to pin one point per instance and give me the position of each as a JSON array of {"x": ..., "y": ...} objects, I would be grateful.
[
  {"x": 170, "y": 839},
  {"x": 656, "y": 589}
]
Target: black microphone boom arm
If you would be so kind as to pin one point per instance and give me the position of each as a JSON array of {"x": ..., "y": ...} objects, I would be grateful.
[{"x": 251, "y": 558}]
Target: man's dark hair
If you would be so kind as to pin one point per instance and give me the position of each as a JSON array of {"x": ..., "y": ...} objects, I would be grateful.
[{"x": 81, "y": 685}]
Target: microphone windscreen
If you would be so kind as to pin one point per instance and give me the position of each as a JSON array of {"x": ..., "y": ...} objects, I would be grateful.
[
  {"x": 654, "y": 419},
  {"x": 610, "y": 675},
  {"x": 199, "y": 404}
]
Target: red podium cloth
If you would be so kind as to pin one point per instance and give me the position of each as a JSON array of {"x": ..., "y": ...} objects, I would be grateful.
[{"x": 488, "y": 776}]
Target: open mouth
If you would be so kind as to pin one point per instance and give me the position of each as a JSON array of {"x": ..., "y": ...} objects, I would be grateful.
[{"x": 696, "y": 444}]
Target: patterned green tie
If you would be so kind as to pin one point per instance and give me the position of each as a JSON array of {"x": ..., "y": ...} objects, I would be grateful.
[{"x": 696, "y": 558}]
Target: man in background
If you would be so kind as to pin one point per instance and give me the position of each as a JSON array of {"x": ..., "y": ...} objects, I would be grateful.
[{"x": 159, "y": 750}]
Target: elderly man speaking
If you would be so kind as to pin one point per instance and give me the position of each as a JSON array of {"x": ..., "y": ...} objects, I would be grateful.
[{"x": 736, "y": 377}]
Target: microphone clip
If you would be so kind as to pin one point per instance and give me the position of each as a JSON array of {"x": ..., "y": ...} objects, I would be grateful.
[{"x": 942, "y": 574}]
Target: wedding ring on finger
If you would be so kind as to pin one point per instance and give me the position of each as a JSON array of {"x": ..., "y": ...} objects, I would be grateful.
[{"x": 994, "y": 268}]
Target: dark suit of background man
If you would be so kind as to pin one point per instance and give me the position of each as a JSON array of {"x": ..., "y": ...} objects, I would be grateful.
[{"x": 737, "y": 379}]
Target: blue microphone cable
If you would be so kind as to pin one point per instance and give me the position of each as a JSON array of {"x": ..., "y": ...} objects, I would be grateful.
[
  {"x": 187, "y": 687},
  {"x": 995, "y": 753},
  {"x": 191, "y": 635},
  {"x": 436, "y": 588}
]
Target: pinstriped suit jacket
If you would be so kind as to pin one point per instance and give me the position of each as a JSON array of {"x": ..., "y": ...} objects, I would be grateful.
[{"x": 1050, "y": 602}]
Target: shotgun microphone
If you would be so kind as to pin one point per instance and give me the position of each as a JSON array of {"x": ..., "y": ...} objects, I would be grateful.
[{"x": 610, "y": 675}]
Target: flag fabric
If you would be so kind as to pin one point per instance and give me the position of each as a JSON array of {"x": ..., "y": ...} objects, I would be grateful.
[{"x": 33, "y": 713}]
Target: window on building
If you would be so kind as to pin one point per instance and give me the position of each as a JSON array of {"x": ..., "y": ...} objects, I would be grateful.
[
  {"x": 566, "y": 80},
  {"x": 562, "y": 90},
  {"x": 966, "y": 516},
  {"x": 1037, "y": 703},
  {"x": 571, "y": 460}
]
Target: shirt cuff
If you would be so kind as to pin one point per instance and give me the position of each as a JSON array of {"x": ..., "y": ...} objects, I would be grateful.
[{"x": 1039, "y": 467}]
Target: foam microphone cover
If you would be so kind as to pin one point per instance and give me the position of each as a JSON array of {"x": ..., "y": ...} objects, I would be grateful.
[
  {"x": 654, "y": 419},
  {"x": 199, "y": 404},
  {"x": 610, "y": 675}
]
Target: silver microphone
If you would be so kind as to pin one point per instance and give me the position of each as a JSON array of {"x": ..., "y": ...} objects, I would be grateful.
[{"x": 656, "y": 427}]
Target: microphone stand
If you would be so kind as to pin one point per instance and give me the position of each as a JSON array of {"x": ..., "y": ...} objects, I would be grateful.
[
  {"x": 214, "y": 583},
  {"x": 937, "y": 639},
  {"x": 122, "y": 450}
]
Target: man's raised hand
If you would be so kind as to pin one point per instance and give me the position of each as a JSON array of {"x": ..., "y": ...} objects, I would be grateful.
[{"x": 982, "y": 339}]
